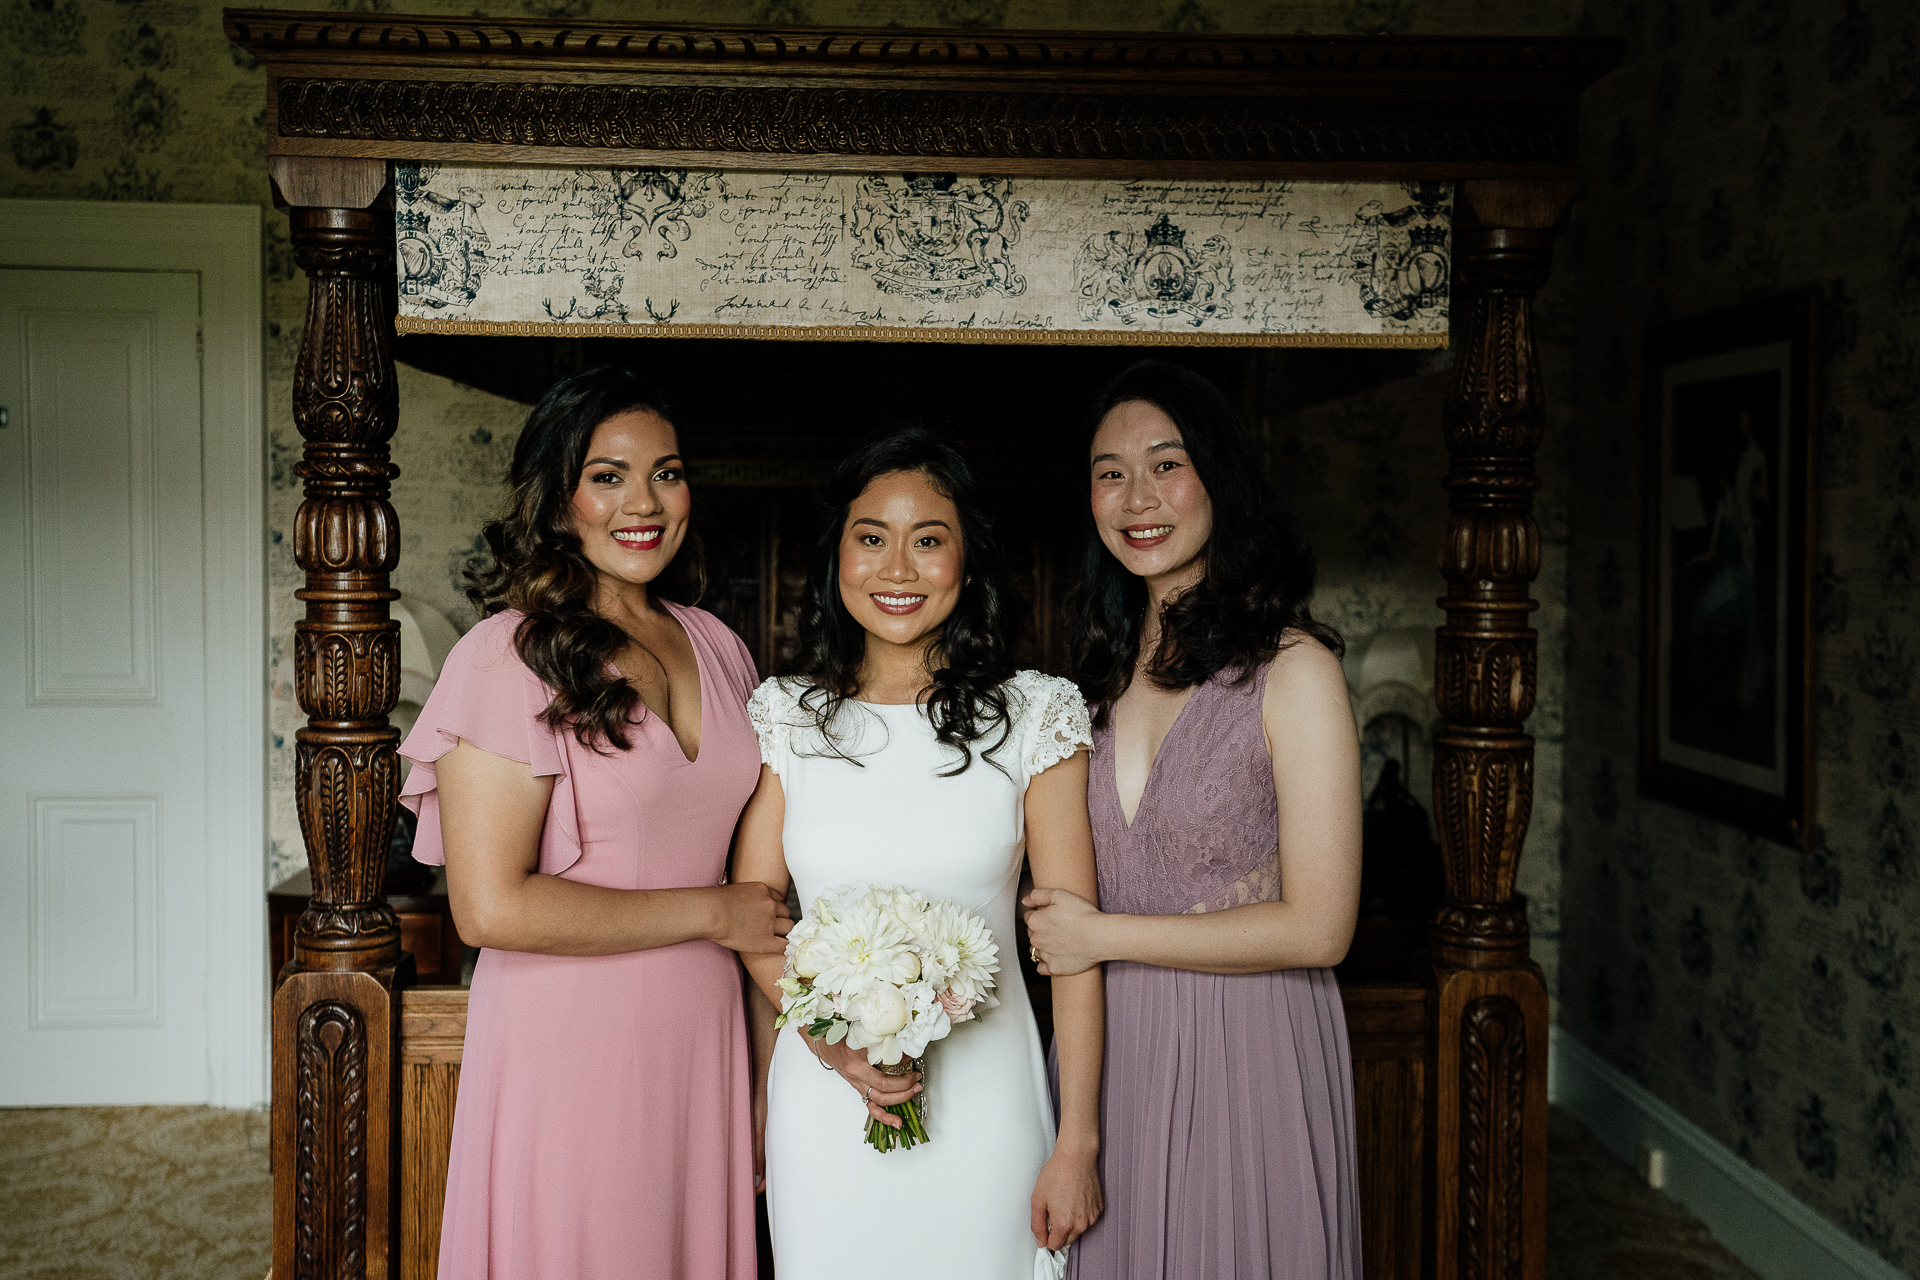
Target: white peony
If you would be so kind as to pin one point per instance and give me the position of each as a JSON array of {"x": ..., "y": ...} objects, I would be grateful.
[
  {"x": 887, "y": 1042},
  {"x": 929, "y": 1023},
  {"x": 882, "y": 1011},
  {"x": 801, "y": 958},
  {"x": 911, "y": 909}
]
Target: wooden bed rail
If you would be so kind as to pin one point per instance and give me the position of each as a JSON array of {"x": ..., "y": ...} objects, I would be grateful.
[
  {"x": 433, "y": 1027},
  {"x": 1386, "y": 1020}
]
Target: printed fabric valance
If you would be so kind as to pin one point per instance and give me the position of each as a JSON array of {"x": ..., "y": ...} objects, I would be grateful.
[{"x": 921, "y": 257}]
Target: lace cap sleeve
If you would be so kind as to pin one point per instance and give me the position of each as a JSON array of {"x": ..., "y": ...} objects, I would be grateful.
[
  {"x": 770, "y": 708},
  {"x": 1057, "y": 721}
]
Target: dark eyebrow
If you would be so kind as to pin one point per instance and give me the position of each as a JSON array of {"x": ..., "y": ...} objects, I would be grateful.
[
  {"x": 616, "y": 462},
  {"x": 881, "y": 524},
  {"x": 1155, "y": 447}
]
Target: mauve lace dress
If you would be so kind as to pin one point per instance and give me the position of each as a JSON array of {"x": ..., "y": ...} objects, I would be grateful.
[{"x": 1227, "y": 1148}]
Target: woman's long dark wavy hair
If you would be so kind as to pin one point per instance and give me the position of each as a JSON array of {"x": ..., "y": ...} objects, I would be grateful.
[
  {"x": 1259, "y": 566},
  {"x": 539, "y": 568},
  {"x": 973, "y": 657}
]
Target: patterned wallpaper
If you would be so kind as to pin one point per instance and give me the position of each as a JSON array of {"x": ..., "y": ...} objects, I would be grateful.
[{"x": 1749, "y": 147}]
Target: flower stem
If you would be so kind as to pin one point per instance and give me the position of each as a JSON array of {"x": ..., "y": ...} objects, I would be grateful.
[{"x": 911, "y": 1133}]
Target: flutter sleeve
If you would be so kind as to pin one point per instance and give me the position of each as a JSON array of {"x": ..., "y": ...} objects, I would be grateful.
[
  {"x": 487, "y": 696},
  {"x": 1057, "y": 723},
  {"x": 769, "y": 708}
]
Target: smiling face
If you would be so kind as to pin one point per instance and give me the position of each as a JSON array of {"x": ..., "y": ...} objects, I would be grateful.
[
  {"x": 901, "y": 562},
  {"x": 630, "y": 506},
  {"x": 1148, "y": 503}
]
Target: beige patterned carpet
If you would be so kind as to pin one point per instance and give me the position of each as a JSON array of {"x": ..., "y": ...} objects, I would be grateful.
[
  {"x": 181, "y": 1193},
  {"x": 133, "y": 1193}
]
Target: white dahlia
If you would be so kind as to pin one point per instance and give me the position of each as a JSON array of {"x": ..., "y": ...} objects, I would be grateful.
[
  {"x": 862, "y": 947},
  {"x": 961, "y": 948}
]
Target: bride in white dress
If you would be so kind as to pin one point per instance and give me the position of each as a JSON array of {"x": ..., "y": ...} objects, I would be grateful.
[{"x": 912, "y": 753}]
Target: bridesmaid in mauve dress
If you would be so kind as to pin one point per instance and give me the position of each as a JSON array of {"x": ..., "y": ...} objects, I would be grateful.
[
  {"x": 1225, "y": 805},
  {"x": 580, "y": 768}
]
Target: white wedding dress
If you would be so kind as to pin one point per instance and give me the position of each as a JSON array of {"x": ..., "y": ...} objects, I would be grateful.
[{"x": 956, "y": 1207}]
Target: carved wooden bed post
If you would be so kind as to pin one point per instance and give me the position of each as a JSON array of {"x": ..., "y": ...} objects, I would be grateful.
[
  {"x": 1487, "y": 1052},
  {"x": 335, "y": 1012}
]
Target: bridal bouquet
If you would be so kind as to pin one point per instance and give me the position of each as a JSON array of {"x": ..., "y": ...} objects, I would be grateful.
[{"x": 888, "y": 971}]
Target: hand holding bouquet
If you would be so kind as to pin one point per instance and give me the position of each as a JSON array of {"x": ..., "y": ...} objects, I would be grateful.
[{"x": 888, "y": 971}]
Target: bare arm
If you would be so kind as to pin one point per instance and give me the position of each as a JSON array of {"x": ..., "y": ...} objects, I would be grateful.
[
  {"x": 1316, "y": 777},
  {"x": 759, "y": 855},
  {"x": 761, "y": 1029},
  {"x": 491, "y": 813},
  {"x": 1067, "y": 1198}
]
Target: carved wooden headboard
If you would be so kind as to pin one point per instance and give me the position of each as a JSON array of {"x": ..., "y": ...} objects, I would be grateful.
[{"x": 349, "y": 94}]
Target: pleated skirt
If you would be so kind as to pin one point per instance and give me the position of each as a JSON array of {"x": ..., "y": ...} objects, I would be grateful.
[{"x": 1227, "y": 1138}]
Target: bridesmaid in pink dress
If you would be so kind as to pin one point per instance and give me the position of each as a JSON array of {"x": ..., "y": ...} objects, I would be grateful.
[{"x": 580, "y": 768}]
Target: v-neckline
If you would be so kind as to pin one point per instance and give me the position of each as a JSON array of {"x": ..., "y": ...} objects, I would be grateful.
[
  {"x": 700, "y": 673},
  {"x": 1153, "y": 766}
]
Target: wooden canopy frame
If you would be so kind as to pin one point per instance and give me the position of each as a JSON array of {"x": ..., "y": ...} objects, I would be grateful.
[{"x": 1451, "y": 1066}]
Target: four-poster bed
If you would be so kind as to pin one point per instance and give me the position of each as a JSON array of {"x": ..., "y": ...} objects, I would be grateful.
[{"x": 1450, "y": 1061}]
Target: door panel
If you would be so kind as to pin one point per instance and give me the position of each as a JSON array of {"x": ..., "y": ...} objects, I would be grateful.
[
  {"x": 103, "y": 824},
  {"x": 94, "y": 958},
  {"x": 91, "y": 382}
]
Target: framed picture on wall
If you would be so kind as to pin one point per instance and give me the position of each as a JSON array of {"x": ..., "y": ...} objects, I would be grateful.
[{"x": 1725, "y": 717}]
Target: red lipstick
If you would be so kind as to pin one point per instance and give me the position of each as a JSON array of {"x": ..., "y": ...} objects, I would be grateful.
[{"x": 640, "y": 537}]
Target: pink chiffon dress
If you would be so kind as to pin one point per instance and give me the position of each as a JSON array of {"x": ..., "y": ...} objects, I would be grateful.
[{"x": 603, "y": 1127}]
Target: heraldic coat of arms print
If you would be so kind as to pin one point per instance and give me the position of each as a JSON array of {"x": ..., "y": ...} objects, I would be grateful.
[
  {"x": 937, "y": 237},
  {"x": 1153, "y": 275},
  {"x": 440, "y": 244},
  {"x": 1400, "y": 255}
]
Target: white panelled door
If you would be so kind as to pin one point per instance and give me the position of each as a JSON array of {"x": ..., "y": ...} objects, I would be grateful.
[{"x": 104, "y": 845}]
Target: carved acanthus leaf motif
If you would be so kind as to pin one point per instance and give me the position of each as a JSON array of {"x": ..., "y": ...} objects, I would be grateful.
[
  {"x": 1493, "y": 1096},
  {"x": 330, "y": 1114},
  {"x": 352, "y": 674},
  {"x": 1486, "y": 679},
  {"x": 349, "y": 782},
  {"x": 1483, "y": 796}
]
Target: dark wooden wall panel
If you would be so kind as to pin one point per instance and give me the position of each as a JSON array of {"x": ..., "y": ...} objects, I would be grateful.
[
  {"x": 433, "y": 1029},
  {"x": 1386, "y": 1023}
]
